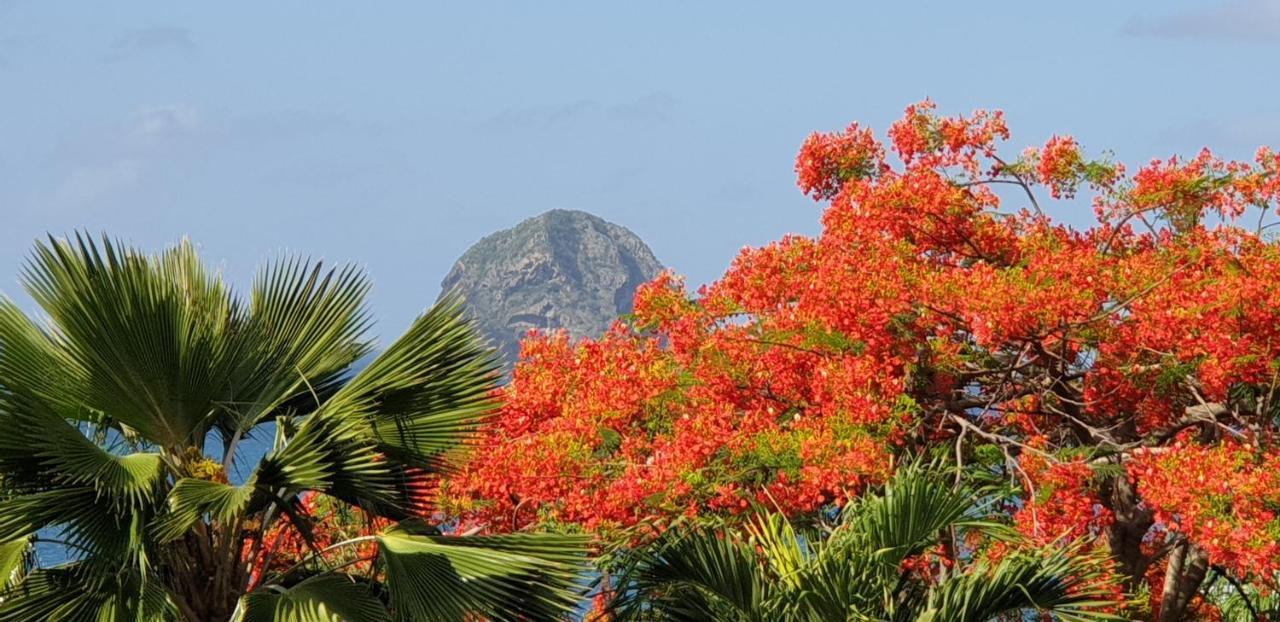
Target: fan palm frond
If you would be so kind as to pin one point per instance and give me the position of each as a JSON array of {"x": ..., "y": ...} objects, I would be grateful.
[
  {"x": 192, "y": 500},
  {"x": 304, "y": 329},
  {"x": 323, "y": 598},
  {"x": 521, "y": 576},
  {"x": 152, "y": 334},
  {"x": 773, "y": 570},
  {"x": 14, "y": 560},
  {"x": 695, "y": 573},
  {"x": 424, "y": 395},
  {"x": 145, "y": 359},
  {"x": 1070, "y": 582},
  {"x": 74, "y": 592}
]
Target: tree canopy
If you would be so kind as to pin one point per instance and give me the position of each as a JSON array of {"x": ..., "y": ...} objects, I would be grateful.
[{"x": 1121, "y": 377}]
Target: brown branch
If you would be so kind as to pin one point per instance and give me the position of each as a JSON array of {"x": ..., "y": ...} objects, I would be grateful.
[
  {"x": 1000, "y": 439},
  {"x": 1021, "y": 182}
]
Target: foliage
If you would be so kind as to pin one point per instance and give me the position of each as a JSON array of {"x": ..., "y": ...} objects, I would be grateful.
[
  {"x": 880, "y": 561},
  {"x": 942, "y": 311},
  {"x": 148, "y": 367}
]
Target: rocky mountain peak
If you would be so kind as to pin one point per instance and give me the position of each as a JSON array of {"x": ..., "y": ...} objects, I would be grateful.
[{"x": 561, "y": 269}]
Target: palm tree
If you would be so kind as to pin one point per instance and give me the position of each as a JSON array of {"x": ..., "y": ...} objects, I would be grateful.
[
  {"x": 121, "y": 415},
  {"x": 1237, "y": 600},
  {"x": 774, "y": 570}
]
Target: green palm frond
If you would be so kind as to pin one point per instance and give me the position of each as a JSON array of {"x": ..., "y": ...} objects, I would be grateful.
[
  {"x": 191, "y": 500},
  {"x": 73, "y": 593},
  {"x": 304, "y": 329},
  {"x": 772, "y": 570},
  {"x": 827, "y": 575},
  {"x": 427, "y": 392},
  {"x": 48, "y": 594},
  {"x": 695, "y": 573},
  {"x": 842, "y": 582},
  {"x": 36, "y": 368},
  {"x": 23, "y": 515},
  {"x": 323, "y": 598},
  {"x": 152, "y": 333},
  {"x": 41, "y": 448},
  {"x": 147, "y": 358},
  {"x": 14, "y": 560},
  {"x": 334, "y": 455},
  {"x": 522, "y": 576},
  {"x": 783, "y": 546},
  {"x": 905, "y": 518},
  {"x": 59, "y": 480},
  {"x": 90, "y": 526},
  {"x": 423, "y": 396},
  {"x": 1067, "y": 582}
]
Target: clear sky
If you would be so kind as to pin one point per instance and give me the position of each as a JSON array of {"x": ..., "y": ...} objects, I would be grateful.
[{"x": 396, "y": 134}]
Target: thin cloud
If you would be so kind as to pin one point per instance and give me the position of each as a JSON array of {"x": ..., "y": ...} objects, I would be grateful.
[
  {"x": 88, "y": 184},
  {"x": 1235, "y": 137},
  {"x": 1231, "y": 20},
  {"x": 318, "y": 172},
  {"x": 115, "y": 159},
  {"x": 165, "y": 123},
  {"x": 656, "y": 106},
  {"x": 148, "y": 41},
  {"x": 651, "y": 108},
  {"x": 98, "y": 163},
  {"x": 287, "y": 125}
]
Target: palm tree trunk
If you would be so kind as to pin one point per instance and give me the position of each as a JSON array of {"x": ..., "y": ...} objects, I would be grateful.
[{"x": 204, "y": 583}]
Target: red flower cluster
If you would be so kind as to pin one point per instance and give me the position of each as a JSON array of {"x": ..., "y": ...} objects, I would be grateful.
[
  {"x": 1062, "y": 503},
  {"x": 329, "y": 521},
  {"x": 931, "y": 310},
  {"x": 929, "y": 565},
  {"x": 1225, "y": 498},
  {"x": 612, "y": 432},
  {"x": 924, "y": 139},
  {"x": 1060, "y": 166},
  {"x": 827, "y": 161}
]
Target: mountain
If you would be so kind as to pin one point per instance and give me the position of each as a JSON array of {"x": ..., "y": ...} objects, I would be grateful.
[{"x": 561, "y": 269}]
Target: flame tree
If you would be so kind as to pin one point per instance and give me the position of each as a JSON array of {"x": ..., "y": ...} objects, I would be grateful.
[{"x": 1122, "y": 376}]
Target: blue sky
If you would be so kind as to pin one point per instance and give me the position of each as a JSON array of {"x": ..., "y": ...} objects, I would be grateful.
[{"x": 394, "y": 135}]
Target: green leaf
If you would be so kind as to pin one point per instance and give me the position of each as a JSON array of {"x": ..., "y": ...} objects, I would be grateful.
[
  {"x": 34, "y": 366},
  {"x": 191, "y": 500},
  {"x": 695, "y": 573},
  {"x": 525, "y": 576},
  {"x": 773, "y": 570},
  {"x": 907, "y": 516},
  {"x": 1065, "y": 581},
  {"x": 13, "y": 561},
  {"x": 610, "y": 441},
  {"x": 425, "y": 395},
  {"x": 23, "y": 515},
  {"x": 151, "y": 333},
  {"x": 304, "y": 328},
  {"x": 42, "y": 449},
  {"x": 74, "y": 593},
  {"x": 427, "y": 392},
  {"x": 323, "y": 598}
]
